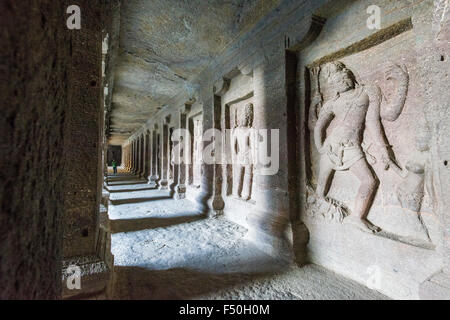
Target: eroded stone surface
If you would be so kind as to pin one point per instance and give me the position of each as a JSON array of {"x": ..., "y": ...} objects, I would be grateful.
[{"x": 163, "y": 44}]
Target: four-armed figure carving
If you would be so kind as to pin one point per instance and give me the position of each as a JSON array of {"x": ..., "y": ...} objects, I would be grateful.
[
  {"x": 353, "y": 109},
  {"x": 243, "y": 145}
]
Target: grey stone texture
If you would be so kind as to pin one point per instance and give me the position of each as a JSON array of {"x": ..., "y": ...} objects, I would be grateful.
[
  {"x": 35, "y": 68},
  {"x": 362, "y": 186},
  {"x": 359, "y": 191},
  {"x": 166, "y": 249}
]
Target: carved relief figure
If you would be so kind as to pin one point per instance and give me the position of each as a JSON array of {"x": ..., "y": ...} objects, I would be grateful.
[
  {"x": 416, "y": 178},
  {"x": 242, "y": 146},
  {"x": 197, "y": 152},
  {"x": 338, "y": 136}
]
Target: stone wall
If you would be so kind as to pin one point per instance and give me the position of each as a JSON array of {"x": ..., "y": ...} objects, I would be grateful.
[
  {"x": 35, "y": 67},
  {"x": 82, "y": 136},
  {"x": 371, "y": 177}
]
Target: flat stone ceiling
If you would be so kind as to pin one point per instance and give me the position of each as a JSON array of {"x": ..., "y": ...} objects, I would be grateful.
[{"x": 164, "y": 44}]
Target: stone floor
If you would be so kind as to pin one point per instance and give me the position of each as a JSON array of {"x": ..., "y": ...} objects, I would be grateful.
[{"x": 166, "y": 249}]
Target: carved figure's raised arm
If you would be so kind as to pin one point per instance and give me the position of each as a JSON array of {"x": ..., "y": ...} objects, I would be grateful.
[
  {"x": 391, "y": 110},
  {"x": 316, "y": 98},
  {"x": 429, "y": 181},
  {"x": 402, "y": 173}
]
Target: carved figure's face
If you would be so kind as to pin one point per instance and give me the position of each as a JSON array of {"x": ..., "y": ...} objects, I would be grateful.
[{"x": 342, "y": 80}]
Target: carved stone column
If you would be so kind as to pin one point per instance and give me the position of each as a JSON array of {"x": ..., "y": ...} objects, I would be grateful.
[
  {"x": 147, "y": 154},
  {"x": 138, "y": 153},
  {"x": 134, "y": 156},
  {"x": 128, "y": 155},
  {"x": 163, "y": 183},
  {"x": 153, "y": 177},
  {"x": 180, "y": 188},
  {"x": 143, "y": 156},
  {"x": 139, "y": 160},
  {"x": 85, "y": 242},
  {"x": 124, "y": 156},
  {"x": 204, "y": 198},
  {"x": 133, "y": 163},
  {"x": 217, "y": 202}
]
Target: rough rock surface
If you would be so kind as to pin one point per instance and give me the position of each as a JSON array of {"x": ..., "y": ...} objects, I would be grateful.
[
  {"x": 34, "y": 70},
  {"x": 163, "y": 44}
]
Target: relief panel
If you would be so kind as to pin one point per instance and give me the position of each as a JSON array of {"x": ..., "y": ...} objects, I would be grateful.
[{"x": 369, "y": 143}]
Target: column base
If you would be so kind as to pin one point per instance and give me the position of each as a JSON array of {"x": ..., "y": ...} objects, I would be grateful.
[
  {"x": 152, "y": 181},
  {"x": 180, "y": 192},
  {"x": 163, "y": 184}
]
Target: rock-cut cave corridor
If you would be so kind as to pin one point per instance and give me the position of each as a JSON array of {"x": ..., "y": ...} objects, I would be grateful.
[
  {"x": 166, "y": 249},
  {"x": 225, "y": 150}
]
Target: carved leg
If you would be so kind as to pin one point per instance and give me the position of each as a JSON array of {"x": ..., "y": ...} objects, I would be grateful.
[
  {"x": 247, "y": 184},
  {"x": 237, "y": 178},
  {"x": 325, "y": 172},
  {"x": 366, "y": 192}
]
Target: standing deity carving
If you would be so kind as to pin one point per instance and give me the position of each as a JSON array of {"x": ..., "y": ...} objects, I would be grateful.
[
  {"x": 242, "y": 149},
  {"x": 339, "y": 125}
]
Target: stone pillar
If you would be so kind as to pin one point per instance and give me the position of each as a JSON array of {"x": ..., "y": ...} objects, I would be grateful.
[
  {"x": 204, "y": 198},
  {"x": 158, "y": 148},
  {"x": 133, "y": 157},
  {"x": 172, "y": 171},
  {"x": 142, "y": 155},
  {"x": 153, "y": 176},
  {"x": 217, "y": 201},
  {"x": 147, "y": 154},
  {"x": 139, "y": 170},
  {"x": 84, "y": 243},
  {"x": 180, "y": 188},
  {"x": 138, "y": 154},
  {"x": 128, "y": 155},
  {"x": 163, "y": 183}
]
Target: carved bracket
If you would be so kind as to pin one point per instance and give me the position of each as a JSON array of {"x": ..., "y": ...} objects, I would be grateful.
[{"x": 221, "y": 86}]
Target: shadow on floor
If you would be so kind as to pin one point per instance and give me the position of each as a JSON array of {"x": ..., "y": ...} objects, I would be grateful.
[
  {"x": 128, "y": 225},
  {"x": 138, "y": 200},
  {"x": 129, "y": 190},
  {"x": 126, "y": 182},
  {"x": 139, "y": 283}
]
